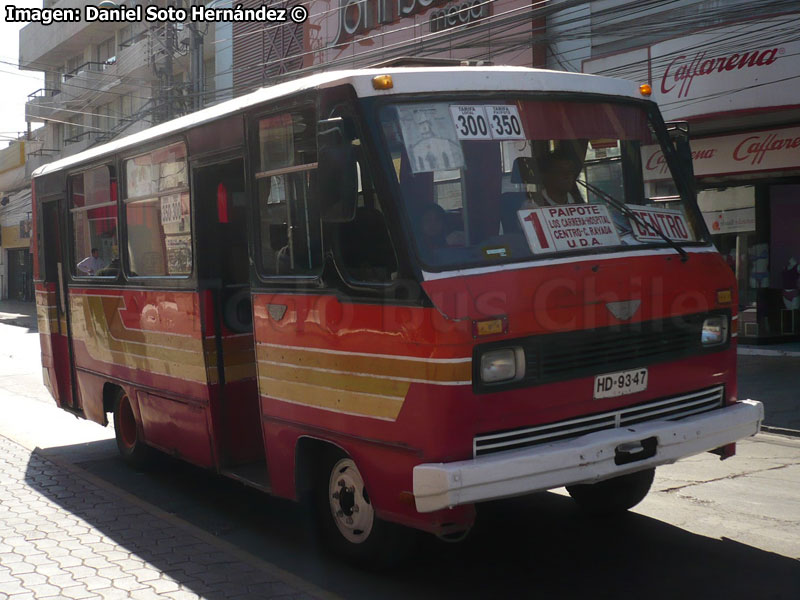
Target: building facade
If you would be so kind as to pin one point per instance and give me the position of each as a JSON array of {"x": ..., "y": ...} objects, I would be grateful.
[
  {"x": 343, "y": 34},
  {"x": 102, "y": 80},
  {"x": 731, "y": 70},
  {"x": 16, "y": 269}
]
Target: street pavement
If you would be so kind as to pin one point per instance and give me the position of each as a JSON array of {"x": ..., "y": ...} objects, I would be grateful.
[
  {"x": 65, "y": 536},
  {"x": 65, "y": 533}
]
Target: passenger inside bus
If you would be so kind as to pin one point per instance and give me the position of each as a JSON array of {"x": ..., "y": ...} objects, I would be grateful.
[{"x": 91, "y": 264}]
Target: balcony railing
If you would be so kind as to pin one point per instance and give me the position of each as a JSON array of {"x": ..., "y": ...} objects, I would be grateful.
[
  {"x": 44, "y": 93},
  {"x": 86, "y": 135},
  {"x": 90, "y": 65},
  {"x": 133, "y": 39},
  {"x": 43, "y": 152}
]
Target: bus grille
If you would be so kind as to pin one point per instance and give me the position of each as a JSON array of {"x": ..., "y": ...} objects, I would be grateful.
[
  {"x": 670, "y": 409},
  {"x": 569, "y": 355}
]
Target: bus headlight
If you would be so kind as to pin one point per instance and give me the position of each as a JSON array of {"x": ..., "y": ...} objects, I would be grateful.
[
  {"x": 507, "y": 364},
  {"x": 715, "y": 331}
]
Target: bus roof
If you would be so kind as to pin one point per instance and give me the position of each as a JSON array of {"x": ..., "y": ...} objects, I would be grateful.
[{"x": 407, "y": 80}]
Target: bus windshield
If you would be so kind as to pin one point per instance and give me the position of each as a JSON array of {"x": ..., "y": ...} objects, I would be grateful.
[{"x": 503, "y": 181}]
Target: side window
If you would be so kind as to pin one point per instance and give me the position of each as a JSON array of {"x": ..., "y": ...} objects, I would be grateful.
[
  {"x": 289, "y": 222},
  {"x": 365, "y": 247},
  {"x": 93, "y": 212},
  {"x": 158, "y": 213}
]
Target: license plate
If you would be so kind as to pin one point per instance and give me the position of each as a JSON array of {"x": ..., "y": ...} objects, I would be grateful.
[{"x": 620, "y": 383}]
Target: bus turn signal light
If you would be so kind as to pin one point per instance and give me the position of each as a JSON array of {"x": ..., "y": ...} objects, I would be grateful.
[
  {"x": 490, "y": 327},
  {"x": 724, "y": 297},
  {"x": 645, "y": 90},
  {"x": 382, "y": 82}
]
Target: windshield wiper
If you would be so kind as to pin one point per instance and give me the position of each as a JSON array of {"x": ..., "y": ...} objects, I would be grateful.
[{"x": 621, "y": 207}]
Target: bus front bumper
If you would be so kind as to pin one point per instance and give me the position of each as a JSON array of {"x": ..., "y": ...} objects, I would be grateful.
[{"x": 586, "y": 459}]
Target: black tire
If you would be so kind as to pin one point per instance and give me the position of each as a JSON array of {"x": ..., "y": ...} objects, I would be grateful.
[
  {"x": 127, "y": 431},
  {"x": 346, "y": 521},
  {"x": 613, "y": 496}
]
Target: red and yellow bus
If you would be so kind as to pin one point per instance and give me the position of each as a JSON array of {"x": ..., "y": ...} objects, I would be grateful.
[{"x": 399, "y": 291}]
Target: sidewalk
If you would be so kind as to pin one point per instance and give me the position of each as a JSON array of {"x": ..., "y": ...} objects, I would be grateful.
[
  {"x": 21, "y": 314},
  {"x": 65, "y": 535}
]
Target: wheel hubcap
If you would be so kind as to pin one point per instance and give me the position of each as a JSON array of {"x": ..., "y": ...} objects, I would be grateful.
[{"x": 350, "y": 505}]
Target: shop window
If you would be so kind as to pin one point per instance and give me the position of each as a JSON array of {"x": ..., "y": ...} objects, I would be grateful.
[
  {"x": 785, "y": 255},
  {"x": 93, "y": 212},
  {"x": 290, "y": 228},
  {"x": 730, "y": 215},
  {"x": 158, "y": 214}
]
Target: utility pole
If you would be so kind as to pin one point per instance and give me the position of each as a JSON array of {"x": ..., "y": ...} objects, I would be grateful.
[
  {"x": 196, "y": 64},
  {"x": 169, "y": 80},
  {"x": 162, "y": 39}
]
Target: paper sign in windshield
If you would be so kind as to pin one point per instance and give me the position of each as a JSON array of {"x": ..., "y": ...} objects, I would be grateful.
[
  {"x": 668, "y": 221},
  {"x": 171, "y": 209},
  {"x": 569, "y": 227},
  {"x": 430, "y": 138}
]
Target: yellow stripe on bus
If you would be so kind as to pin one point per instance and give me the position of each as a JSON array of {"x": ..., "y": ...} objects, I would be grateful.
[
  {"x": 340, "y": 381},
  {"x": 401, "y": 367},
  {"x": 354, "y": 403},
  {"x": 176, "y": 356}
]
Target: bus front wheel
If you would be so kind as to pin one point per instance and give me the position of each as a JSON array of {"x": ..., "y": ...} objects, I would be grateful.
[
  {"x": 127, "y": 432},
  {"x": 347, "y": 521},
  {"x": 613, "y": 495}
]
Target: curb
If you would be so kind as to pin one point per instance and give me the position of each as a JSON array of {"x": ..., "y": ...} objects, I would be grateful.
[
  {"x": 793, "y": 433},
  {"x": 750, "y": 351}
]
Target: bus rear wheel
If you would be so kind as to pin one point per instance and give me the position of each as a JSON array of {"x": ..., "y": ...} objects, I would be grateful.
[
  {"x": 613, "y": 496},
  {"x": 131, "y": 447},
  {"x": 347, "y": 521}
]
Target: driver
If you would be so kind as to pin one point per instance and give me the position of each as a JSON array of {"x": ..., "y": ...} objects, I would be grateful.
[{"x": 559, "y": 171}]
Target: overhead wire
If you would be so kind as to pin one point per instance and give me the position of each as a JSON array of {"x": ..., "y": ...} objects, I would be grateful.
[{"x": 570, "y": 14}]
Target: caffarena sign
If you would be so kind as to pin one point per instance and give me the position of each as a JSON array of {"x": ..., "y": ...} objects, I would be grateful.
[
  {"x": 767, "y": 150},
  {"x": 359, "y": 17},
  {"x": 746, "y": 66}
]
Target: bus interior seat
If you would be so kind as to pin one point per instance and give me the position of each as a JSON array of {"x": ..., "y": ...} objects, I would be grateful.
[
  {"x": 510, "y": 203},
  {"x": 522, "y": 173}
]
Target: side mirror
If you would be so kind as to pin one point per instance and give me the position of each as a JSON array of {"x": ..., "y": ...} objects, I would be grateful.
[
  {"x": 679, "y": 134},
  {"x": 337, "y": 172}
]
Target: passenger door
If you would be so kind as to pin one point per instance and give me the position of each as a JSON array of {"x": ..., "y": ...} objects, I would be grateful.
[
  {"x": 52, "y": 307},
  {"x": 223, "y": 267}
]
